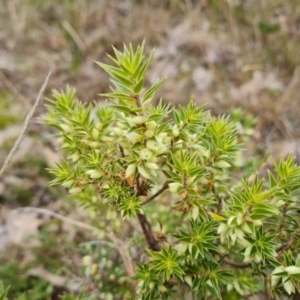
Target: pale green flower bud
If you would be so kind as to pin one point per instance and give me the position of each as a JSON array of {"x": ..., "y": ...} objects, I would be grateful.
[
  {"x": 233, "y": 237},
  {"x": 75, "y": 157},
  {"x": 275, "y": 279},
  {"x": 197, "y": 147},
  {"x": 195, "y": 212},
  {"x": 118, "y": 131},
  {"x": 86, "y": 260},
  {"x": 162, "y": 289},
  {"x": 65, "y": 128},
  {"x": 258, "y": 258},
  {"x": 206, "y": 153},
  {"x": 148, "y": 134},
  {"x": 94, "y": 144},
  {"x": 152, "y": 166},
  {"x": 246, "y": 227},
  {"x": 130, "y": 170},
  {"x": 75, "y": 190},
  {"x": 146, "y": 154},
  {"x": 99, "y": 126},
  {"x": 190, "y": 181},
  {"x": 239, "y": 233},
  {"x": 151, "y": 125},
  {"x": 95, "y": 133},
  {"x": 292, "y": 270},
  {"x": 231, "y": 219},
  {"x": 247, "y": 253},
  {"x": 162, "y": 135},
  {"x": 240, "y": 218},
  {"x": 153, "y": 159},
  {"x": 167, "y": 139},
  {"x": 288, "y": 286},
  {"x": 244, "y": 243},
  {"x": 107, "y": 139},
  {"x": 257, "y": 223},
  {"x": 146, "y": 104},
  {"x": 222, "y": 164},
  {"x": 188, "y": 280},
  {"x": 203, "y": 181},
  {"x": 94, "y": 174},
  {"x": 222, "y": 228},
  {"x": 121, "y": 125},
  {"x": 94, "y": 269},
  {"x": 138, "y": 120},
  {"x": 152, "y": 173},
  {"x": 152, "y": 285},
  {"x": 173, "y": 187},
  {"x": 175, "y": 132},
  {"x": 181, "y": 247},
  {"x": 143, "y": 172},
  {"x": 134, "y": 137},
  {"x": 279, "y": 203},
  {"x": 68, "y": 183},
  {"x": 112, "y": 277}
]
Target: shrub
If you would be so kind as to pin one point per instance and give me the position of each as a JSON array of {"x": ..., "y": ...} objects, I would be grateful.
[{"x": 220, "y": 237}]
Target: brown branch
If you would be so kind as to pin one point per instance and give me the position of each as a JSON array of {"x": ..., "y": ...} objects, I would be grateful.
[
  {"x": 160, "y": 191},
  {"x": 237, "y": 265},
  {"x": 146, "y": 227},
  {"x": 138, "y": 100},
  {"x": 282, "y": 218},
  {"x": 122, "y": 151},
  {"x": 285, "y": 246},
  {"x": 278, "y": 250},
  {"x": 219, "y": 203}
]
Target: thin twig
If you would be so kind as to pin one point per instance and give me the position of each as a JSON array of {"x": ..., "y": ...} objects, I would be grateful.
[
  {"x": 237, "y": 265},
  {"x": 146, "y": 227},
  {"x": 278, "y": 250},
  {"x": 121, "y": 151},
  {"x": 54, "y": 279},
  {"x": 160, "y": 191},
  {"x": 124, "y": 254},
  {"x": 281, "y": 224},
  {"x": 219, "y": 199},
  {"x": 58, "y": 216},
  {"x": 25, "y": 126},
  {"x": 98, "y": 242},
  {"x": 117, "y": 243},
  {"x": 285, "y": 246}
]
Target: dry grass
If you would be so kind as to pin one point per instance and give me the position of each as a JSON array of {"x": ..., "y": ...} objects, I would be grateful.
[{"x": 225, "y": 53}]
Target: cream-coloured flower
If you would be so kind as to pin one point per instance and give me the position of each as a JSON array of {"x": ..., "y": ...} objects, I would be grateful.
[{"x": 146, "y": 154}]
